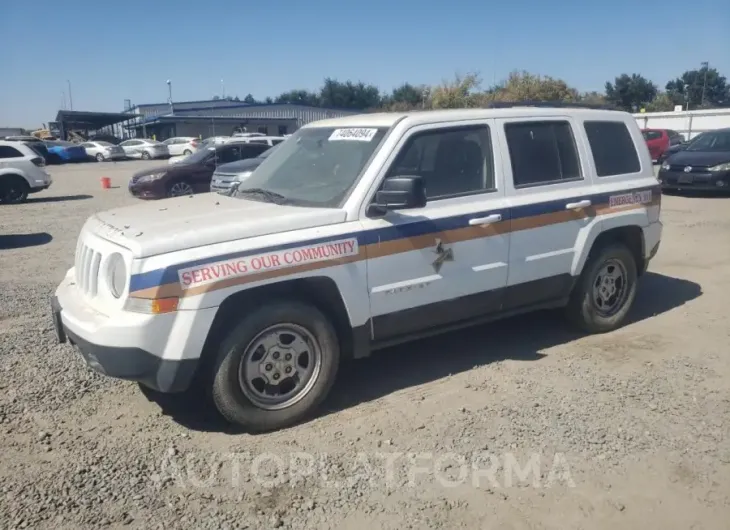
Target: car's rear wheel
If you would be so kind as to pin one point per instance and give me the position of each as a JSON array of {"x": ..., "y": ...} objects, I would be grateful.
[
  {"x": 179, "y": 188},
  {"x": 187, "y": 152},
  {"x": 145, "y": 155},
  {"x": 13, "y": 189},
  {"x": 605, "y": 290},
  {"x": 99, "y": 157},
  {"x": 276, "y": 366}
]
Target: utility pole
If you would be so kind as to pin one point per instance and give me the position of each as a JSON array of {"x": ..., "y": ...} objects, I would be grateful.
[
  {"x": 63, "y": 100},
  {"x": 706, "y": 66},
  {"x": 223, "y": 89},
  {"x": 70, "y": 99},
  {"x": 169, "y": 96}
]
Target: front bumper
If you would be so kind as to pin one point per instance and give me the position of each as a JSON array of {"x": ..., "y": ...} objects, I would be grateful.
[
  {"x": 161, "y": 352},
  {"x": 705, "y": 181}
]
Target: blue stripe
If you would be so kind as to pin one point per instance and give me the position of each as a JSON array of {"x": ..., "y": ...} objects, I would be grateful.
[{"x": 378, "y": 235}]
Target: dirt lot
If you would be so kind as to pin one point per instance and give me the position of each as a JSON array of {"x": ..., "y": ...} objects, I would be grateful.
[{"x": 626, "y": 430}]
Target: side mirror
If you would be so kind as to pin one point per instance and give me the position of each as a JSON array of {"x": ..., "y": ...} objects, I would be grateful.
[{"x": 399, "y": 193}]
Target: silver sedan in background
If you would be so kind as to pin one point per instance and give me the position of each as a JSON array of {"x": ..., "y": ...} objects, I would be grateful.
[
  {"x": 101, "y": 151},
  {"x": 144, "y": 148}
]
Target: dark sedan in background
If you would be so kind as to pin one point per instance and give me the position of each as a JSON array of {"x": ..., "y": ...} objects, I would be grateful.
[
  {"x": 703, "y": 164},
  {"x": 193, "y": 175},
  {"x": 227, "y": 176}
]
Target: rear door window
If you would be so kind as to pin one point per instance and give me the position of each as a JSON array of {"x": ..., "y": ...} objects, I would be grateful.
[
  {"x": 542, "y": 152},
  {"x": 614, "y": 152}
]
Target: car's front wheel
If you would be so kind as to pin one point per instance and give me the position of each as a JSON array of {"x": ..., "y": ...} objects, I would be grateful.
[
  {"x": 179, "y": 189},
  {"x": 187, "y": 152},
  {"x": 276, "y": 366},
  {"x": 99, "y": 157},
  {"x": 605, "y": 290}
]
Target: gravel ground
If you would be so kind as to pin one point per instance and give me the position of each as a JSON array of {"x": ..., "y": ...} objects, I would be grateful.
[{"x": 625, "y": 430}]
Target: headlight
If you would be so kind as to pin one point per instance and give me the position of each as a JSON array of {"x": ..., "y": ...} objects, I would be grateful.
[
  {"x": 243, "y": 176},
  {"x": 151, "y": 178},
  {"x": 116, "y": 274},
  {"x": 666, "y": 166},
  {"x": 721, "y": 167}
]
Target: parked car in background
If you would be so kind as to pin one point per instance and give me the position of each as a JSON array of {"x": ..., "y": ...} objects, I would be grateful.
[
  {"x": 22, "y": 171},
  {"x": 228, "y": 176},
  {"x": 214, "y": 140},
  {"x": 101, "y": 151},
  {"x": 182, "y": 145},
  {"x": 60, "y": 151},
  {"x": 704, "y": 164},
  {"x": 659, "y": 140},
  {"x": 192, "y": 176},
  {"x": 266, "y": 140},
  {"x": 144, "y": 148},
  {"x": 110, "y": 138},
  {"x": 34, "y": 143}
]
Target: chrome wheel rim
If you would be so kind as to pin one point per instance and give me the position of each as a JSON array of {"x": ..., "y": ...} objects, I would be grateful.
[
  {"x": 279, "y": 366},
  {"x": 610, "y": 287},
  {"x": 99, "y": 157},
  {"x": 181, "y": 188}
]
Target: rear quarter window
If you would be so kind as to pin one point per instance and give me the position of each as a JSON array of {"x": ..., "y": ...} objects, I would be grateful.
[
  {"x": 9, "y": 152},
  {"x": 614, "y": 152}
]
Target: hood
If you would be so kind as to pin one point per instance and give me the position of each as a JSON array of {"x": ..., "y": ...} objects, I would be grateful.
[
  {"x": 158, "y": 227},
  {"x": 239, "y": 166},
  {"x": 699, "y": 158}
]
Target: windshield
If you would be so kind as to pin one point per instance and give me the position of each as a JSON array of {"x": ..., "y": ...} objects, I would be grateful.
[
  {"x": 317, "y": 166},
  {"x": 711, "y": 141}
]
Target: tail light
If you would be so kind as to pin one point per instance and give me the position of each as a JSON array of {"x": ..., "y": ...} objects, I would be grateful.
[{"x": 38, "y": 161}]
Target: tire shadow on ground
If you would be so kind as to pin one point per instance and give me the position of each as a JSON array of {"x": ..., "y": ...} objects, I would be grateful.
[{"x": 423, "y": 361}]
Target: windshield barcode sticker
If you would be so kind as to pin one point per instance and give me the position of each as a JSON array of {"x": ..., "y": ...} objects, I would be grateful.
[
  {"x": 357, "y": 135},
  {"x": 639, "y": 197}
]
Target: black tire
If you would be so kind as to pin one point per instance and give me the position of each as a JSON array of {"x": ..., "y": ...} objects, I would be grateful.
[
  {"x": 582, "y": 311},
  {"x": 99, "y": 157},
  {"x": 187, "y": 152},
  {"x": 13, "y": 189},
  {"x": 145, "y": 155},
  {"x": 227, "y": 394}
]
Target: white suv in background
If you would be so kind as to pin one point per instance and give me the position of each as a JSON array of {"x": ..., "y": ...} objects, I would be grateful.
[{"x": 21, "y": 172}]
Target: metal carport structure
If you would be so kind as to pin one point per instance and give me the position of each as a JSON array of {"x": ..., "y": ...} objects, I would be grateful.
[{"x": 86, "y": 121}]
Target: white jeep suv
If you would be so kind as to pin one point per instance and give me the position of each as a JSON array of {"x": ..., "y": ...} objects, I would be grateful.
[
  {"x": 22, "y": 171},
  {"x": 358, "y": 233}
]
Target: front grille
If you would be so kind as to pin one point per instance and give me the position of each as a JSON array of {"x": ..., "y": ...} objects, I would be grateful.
[
  {"x": 223, "y": 181},
  {"x": 87, "y": 264},
  {"x": 695, "y": 169}
]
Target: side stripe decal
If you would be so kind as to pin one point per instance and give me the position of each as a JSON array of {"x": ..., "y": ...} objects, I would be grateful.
[{"x": 389, "y": 240}]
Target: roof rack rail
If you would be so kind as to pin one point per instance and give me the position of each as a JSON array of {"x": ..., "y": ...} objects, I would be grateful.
[{"x": 547, "y": 104}]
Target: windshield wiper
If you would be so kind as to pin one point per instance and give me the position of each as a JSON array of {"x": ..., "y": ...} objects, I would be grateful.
[{"x": 267, "y": 195}]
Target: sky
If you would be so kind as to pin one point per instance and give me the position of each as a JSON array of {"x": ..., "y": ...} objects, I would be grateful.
[{"x": 112, "y": 51}]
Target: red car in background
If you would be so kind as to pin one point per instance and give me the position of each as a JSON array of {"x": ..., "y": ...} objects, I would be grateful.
[{"x": 659, "y": 140}]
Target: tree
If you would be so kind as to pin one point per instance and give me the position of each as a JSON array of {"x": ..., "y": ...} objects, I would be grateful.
[
  {"x": 407, "y": 95},
  {"x": 662, "y": 103},
  {"x": 462, "y": 92},
  {"x": 236, "y": 99},
  {"x": 524, "y": 86},
  {"x": 349, "y": 95},
  {"x": 249, "y": 99},
  {"x": 268, "y": 100},
  {"x": 298, "y": 97},
  {"x": 630, "y": 92},
  {"x": 216, "y": 98},
  {"x": 717, "y": 92}
]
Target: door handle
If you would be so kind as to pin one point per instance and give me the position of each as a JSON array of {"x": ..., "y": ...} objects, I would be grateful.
[
  {"x": 577, "y": 205},
  {"x": 494, "y": 218}
]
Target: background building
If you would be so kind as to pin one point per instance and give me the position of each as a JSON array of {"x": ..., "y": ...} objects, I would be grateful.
[{"x": 221, "y": 117}]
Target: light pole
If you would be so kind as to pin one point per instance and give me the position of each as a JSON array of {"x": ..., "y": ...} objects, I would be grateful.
[
  {"x": 706, "y": 66},
  {"x": 70, "y": 99},
  {"x": 223, "y": 89},
  {"x": 169, "y": 96}
]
